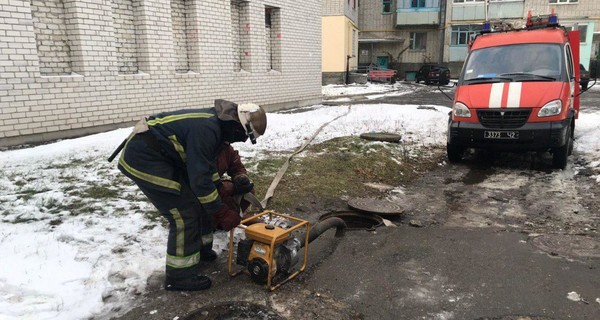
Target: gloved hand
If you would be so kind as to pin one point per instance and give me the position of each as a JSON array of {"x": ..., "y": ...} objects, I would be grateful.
[
  {"x": 226, "y": 219},
  {"x": 242, "y": 184}
]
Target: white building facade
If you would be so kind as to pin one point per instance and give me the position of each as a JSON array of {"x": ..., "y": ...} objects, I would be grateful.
[{"x": 74, "y": 67}]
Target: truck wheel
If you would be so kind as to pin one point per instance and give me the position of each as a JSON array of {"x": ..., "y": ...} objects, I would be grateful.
[
  {"x": 454, "y": 152},
  {"x": 560, "y": 154},
  {"x": 572, "y": 142}
]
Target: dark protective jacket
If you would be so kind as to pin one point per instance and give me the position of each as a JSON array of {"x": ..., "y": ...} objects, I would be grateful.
[{"x": 189, "y": 140}]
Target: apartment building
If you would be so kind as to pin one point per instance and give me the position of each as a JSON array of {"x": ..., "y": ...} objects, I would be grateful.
[
  {"x": 401, "y": 34},
  {"x": 466, "y": 17},
  {"x": 340, "y": 39},
  {"x": 74, "y": 67},
  {"x": 582, "y": 15}
]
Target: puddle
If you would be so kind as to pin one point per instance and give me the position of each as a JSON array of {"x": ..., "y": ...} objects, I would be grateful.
[{"x": 234, "y": 311}]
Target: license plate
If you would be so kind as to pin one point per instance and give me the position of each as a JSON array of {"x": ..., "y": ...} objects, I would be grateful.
[{"x": 501, "y": 134}]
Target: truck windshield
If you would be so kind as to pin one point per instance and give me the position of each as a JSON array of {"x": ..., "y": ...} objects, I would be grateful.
[{"x": 521, "y": 62}]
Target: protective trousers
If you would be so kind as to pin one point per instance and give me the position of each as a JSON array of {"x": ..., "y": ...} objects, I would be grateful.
[{"x": 188, "y": 222}]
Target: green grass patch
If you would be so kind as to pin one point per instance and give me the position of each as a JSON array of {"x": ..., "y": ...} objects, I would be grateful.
[
  {"x": 100, "y": 192},
  {"x": 336, "y": 169}
]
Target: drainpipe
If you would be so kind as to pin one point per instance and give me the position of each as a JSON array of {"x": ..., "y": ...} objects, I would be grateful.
[{"x": 348, "y": 68}]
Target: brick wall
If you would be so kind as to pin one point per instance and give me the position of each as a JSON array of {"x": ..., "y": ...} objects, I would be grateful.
[
  {"x": 113, "y": 82},
  {"x": 349, "y": 8},
  {"x": 333, "y": 7}
]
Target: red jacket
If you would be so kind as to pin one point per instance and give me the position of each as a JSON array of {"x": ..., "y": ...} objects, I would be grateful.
[{"x": 229, "y": 161}]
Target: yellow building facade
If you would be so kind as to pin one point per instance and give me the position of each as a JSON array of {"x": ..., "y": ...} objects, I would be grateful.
[{"x": 339, "y": 40}]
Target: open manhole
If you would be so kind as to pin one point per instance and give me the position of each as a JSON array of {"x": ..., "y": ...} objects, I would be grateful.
[
  {"x": 356, "y": 220},
  {"x": 234, "y": 311},
  {"x": 381, "y": 136},
  {"x": 568, "y": 245},
  {"x": 376, "y": 206}
]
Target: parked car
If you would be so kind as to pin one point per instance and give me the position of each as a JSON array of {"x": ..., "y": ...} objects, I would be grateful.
[
  {"x": 433, "y": 73},
  {"x": 584, "y": 77}
]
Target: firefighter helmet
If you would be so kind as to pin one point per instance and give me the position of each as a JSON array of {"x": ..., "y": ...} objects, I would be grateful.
[{"x": 253, "y": 119}]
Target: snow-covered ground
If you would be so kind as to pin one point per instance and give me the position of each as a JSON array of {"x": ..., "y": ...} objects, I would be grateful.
[
  {"x": 62, "y": 262},
  {"x": 338, "y": 90}
]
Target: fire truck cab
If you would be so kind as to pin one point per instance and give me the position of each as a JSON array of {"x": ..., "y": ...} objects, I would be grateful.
[{"x": 518, "y": 90}]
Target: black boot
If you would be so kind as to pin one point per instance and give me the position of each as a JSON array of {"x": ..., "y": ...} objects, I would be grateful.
[
  {"x": 193, "y": 283},
  {"x": 207, "y": 255}
]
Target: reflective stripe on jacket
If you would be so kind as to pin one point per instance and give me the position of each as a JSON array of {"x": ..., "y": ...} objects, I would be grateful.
[{"x": 189, "y": 140}]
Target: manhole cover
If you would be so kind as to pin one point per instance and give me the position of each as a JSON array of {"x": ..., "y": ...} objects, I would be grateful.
[
  {"x": 356, "y": 220},
  {"x": 234, "y": 311},
  {"x": 377, "y": 206},
  {"x": 381, "y": 136},
  {"x": 567, "y": 245}
]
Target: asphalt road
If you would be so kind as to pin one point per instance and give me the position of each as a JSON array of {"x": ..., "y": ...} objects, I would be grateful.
[{"x": 499, "y": 236}]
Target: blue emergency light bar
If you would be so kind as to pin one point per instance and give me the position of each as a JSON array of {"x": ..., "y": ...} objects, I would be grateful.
[{"x": 486, "y": 27}]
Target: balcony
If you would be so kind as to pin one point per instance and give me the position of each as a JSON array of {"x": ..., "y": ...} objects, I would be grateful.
[
  {"x": 505, "y": 9},
  {"x": 468, "y": 10},
  {"x": 418, "y": 13}
]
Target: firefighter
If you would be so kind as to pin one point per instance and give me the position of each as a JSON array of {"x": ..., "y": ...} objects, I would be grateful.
[
  {"x": 228, "y": 161},
  {"x": 171, "y": 157}
]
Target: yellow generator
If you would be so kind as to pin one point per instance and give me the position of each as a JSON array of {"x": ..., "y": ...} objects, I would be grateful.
[{"x": 270, "y": 251}]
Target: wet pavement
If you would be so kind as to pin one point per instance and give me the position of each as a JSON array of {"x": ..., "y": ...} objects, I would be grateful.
[{"x": 501, "y": 236}]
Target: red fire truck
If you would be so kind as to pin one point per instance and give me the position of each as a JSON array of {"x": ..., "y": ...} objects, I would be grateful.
[{"x": 518, "y": 90}]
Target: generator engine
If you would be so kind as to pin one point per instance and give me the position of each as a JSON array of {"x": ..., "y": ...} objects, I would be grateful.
[
  {"x": 254, "y": 252},
  {"x": 269, "y": 251}
]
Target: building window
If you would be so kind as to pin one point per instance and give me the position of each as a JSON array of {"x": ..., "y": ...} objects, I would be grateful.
[
  {"x": 182, "y": 32},
  {"x": 460, "y": 35},
  {"x": 417, "y": 40},
  {"x": 273, "y": 37},
  {"x": 387, "y": 6},
  {"x": 583, "y": 28},
  {"x": 240, "y": 35},
  {"x": 582, "y": 33},
  {"x": 52, "y": 37},
  {"x": 417, "y": 4},
  {"x": 563, "y": 1},
  {"x": 127, "y": 31}
]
